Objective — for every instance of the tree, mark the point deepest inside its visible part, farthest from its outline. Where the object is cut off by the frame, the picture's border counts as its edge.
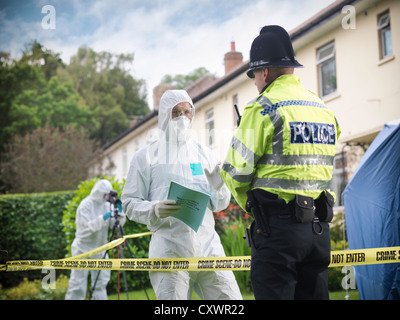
(100, 82)
(56, 105)
(48, 60)
(14, 78)
(108, 89)
(94, 92)
(48, 159)
(181, 81)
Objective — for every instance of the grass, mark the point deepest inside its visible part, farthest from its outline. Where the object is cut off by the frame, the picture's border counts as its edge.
(340, 295)
(141, 295)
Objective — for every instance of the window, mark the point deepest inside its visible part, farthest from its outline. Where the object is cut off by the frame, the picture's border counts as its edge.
(110, 167)
(210, 127)
(235, 115)
(326, 63)
(124, 161)
(385, 35)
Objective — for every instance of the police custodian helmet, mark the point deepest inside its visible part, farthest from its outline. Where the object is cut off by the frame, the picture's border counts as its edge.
(272, 48)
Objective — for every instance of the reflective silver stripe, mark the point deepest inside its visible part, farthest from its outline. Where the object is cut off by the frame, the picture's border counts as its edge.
(287, 184)
(246, 174)
(277, 139)
(277, 122)
(264, 101)
(237, 176)
(248, 155)
(296, 160)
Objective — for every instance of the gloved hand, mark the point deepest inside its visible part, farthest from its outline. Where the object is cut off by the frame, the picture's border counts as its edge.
(107, 215)
(166, 208)
(214, 177)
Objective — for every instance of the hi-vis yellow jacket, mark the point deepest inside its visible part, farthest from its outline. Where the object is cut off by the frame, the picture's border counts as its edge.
(285, 144)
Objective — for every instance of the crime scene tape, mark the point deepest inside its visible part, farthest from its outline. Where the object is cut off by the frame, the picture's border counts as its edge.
(338, 258)
(107, 246)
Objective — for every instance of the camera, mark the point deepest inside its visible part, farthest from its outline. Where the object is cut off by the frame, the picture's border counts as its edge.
(112, 197)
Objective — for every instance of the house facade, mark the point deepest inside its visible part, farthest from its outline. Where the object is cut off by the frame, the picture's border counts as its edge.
(349, 55)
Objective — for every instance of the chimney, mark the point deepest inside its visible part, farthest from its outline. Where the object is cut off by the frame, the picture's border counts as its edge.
(232, 58)
(158, 91)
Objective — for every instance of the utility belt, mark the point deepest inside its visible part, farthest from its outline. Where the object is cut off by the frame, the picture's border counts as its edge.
(301, 209)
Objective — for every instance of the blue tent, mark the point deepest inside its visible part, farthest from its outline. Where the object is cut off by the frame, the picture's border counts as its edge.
(372, 211)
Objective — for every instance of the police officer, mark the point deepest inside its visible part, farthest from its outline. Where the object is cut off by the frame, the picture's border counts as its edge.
(278, 168)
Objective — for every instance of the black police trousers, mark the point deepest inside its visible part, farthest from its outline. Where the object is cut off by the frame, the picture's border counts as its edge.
(291, 262)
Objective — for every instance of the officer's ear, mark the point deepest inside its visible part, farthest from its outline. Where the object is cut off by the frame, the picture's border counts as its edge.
(265, 74)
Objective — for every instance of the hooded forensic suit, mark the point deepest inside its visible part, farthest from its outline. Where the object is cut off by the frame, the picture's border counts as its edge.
(92, 222)
(176, 157)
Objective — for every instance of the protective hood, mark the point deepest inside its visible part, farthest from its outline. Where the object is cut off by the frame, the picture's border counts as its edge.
(100, 189)
(91, 228)
(169, 100)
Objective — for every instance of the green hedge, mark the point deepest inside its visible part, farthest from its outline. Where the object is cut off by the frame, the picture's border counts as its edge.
(42, 227)
(31, 228)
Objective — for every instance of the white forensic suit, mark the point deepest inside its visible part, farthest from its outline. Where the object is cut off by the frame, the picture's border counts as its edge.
(177, 157)
(93, 218)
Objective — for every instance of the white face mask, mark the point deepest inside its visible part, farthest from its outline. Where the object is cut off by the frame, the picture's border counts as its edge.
(178, 129)
(182, 122)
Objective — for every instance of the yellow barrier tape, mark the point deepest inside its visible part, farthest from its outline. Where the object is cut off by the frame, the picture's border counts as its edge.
(175, 264)
(107, 246)
(365, 256)
(338, 259)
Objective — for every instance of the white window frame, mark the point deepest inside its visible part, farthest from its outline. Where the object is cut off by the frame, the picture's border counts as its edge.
(384, 27)
(330, 57)
(210, 127)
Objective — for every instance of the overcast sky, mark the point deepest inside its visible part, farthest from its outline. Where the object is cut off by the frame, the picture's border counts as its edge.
(166, 37)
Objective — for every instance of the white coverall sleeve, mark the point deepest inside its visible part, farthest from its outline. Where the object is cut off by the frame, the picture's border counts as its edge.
(135, 194)
(219, 199)
(86, 223)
